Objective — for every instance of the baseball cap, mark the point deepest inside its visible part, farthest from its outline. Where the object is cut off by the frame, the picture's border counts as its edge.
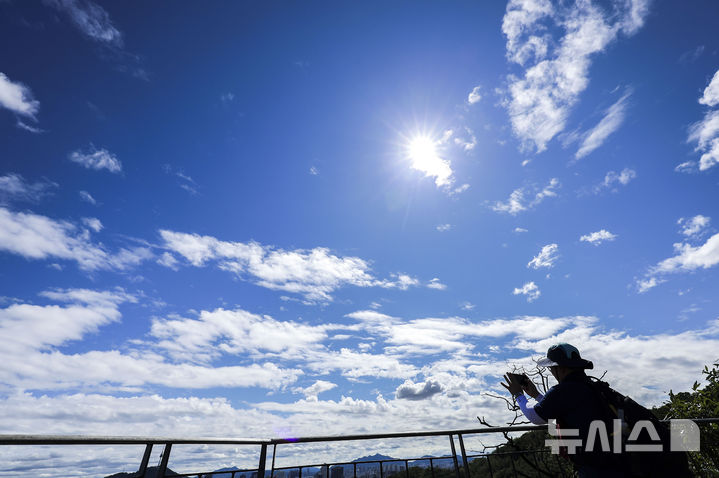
(565, 355)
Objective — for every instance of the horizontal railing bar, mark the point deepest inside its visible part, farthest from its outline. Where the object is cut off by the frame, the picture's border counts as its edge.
(120, 440)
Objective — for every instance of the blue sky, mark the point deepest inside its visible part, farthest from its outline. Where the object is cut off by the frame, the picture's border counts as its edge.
(327, 218)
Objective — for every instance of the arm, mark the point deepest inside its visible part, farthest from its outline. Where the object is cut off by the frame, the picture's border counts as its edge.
(528, 411)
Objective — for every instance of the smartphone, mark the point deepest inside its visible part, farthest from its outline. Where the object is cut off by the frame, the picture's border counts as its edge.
(521, 378)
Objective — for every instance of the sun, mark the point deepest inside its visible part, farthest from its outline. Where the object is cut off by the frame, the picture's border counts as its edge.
(422, 151)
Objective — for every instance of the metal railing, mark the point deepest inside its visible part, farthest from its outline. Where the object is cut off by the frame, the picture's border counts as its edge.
(262, 472)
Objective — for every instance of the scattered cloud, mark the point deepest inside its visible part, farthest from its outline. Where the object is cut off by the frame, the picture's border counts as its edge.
(705, 133)
(546, 257)
(39, 237)
(517, 201)
(13, 187)
(692, 226)
(314, 171)
(644, 285)
(417, 391)
(692, 55)
(17, 98)
(474, 96)
(467, 306)
(91, 19)
(227, 97)
(614, 179)
(315, 389)
(520, 230)
(29, 128)
(168, 260)
(87, 197)
(436, 284)
(94, 22)
(530, 290)
(92, 223)
(444, 227)
(687, 258)
(711, 92)
(598, 237)
(468, 143)
(96, 159)
(314, 273)
(687, 167)
(183, 180)
(611, 122)
(556, 70)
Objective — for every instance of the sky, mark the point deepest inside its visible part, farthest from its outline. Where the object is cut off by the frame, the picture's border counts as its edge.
(278, 219)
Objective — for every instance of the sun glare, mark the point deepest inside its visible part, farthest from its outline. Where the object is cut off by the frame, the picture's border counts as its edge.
(422, 152)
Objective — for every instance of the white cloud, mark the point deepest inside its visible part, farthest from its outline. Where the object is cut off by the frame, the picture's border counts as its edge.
(444, 227)
(315, 389)
(711, 92)
(609, 124)
(17, 98)
(598, 237)
(687, 167)
(520, 230)
(474, 96)
(168, 260)
(235, 332)
(314, 273)
(706, 134)
(468, 306)
(690, 257)
(436, 284)
(687, 258)
(546, 257)
(91, 19)
(32, 338)
(467, 144)
(693, 225)
(29, 128)
(529, 289)
(93, 223)
(96, 159)
(518, 203)
(644, 285)
(612, 179)
(87, 197)
(39, 237)
(314, 171)
(13, 187)
(227, 97)
(540, 101)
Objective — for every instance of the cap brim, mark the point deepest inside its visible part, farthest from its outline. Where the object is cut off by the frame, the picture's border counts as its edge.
(546, 362)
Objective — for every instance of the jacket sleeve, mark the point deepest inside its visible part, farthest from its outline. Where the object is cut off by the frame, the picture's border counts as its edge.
(528, 411)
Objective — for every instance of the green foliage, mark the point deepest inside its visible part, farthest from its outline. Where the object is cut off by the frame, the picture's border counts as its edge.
(700, 403)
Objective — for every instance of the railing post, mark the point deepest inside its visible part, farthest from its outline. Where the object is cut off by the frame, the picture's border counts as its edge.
(406, 468)
(263, 460)
(464, 456)
(454, 455)
(145, 460)
(381, 475)
(431, 466)
(274, 452)
(354, 470)
(165, 459)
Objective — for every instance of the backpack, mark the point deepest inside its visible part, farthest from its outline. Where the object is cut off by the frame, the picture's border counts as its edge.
(663, 463)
